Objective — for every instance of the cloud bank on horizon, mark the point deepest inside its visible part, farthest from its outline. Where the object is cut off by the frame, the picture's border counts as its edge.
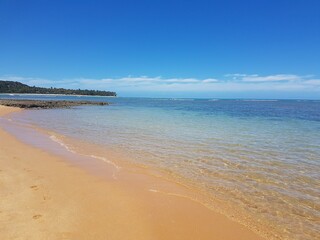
(141, 85)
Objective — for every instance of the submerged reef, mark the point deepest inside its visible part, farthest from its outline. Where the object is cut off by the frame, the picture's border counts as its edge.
(43, 104)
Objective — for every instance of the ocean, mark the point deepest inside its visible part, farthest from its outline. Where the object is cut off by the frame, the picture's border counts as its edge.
(261, 158)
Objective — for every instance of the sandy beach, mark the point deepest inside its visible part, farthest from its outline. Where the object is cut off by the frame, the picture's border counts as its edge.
(43, 196)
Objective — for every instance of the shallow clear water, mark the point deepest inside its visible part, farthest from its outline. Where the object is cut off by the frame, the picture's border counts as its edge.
(261, 156)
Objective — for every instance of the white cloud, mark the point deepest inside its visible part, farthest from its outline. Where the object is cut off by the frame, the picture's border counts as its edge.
(314, 82)
(228, 83)
(210, 80)
(185, 80)
(268, 78)
(271, 78)
(144, 80)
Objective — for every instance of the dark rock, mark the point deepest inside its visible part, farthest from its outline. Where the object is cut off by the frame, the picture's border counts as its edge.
(44, 104)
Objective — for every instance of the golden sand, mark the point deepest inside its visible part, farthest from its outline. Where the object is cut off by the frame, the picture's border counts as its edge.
(45, 197)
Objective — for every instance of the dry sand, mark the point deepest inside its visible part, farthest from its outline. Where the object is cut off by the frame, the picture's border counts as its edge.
(45, 197)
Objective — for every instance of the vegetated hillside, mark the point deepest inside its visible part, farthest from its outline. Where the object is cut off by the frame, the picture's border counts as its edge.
(17, 87)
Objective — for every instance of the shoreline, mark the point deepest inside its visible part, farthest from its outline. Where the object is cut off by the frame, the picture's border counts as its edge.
(46, 197)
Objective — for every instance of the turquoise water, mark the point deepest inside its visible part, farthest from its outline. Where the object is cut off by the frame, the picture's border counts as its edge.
(262, 156)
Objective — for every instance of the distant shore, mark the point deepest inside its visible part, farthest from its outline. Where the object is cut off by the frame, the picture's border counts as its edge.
(18, 87)
(52, 94)
(46, 197)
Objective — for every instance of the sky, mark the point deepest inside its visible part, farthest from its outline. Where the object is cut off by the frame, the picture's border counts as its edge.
(162, 48)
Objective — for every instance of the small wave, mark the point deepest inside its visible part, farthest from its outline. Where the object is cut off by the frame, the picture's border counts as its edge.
(182, 99)
(60, 142)
(153, 190)
(6, 119)
(106, 160)
(55, 139)
(260, 100)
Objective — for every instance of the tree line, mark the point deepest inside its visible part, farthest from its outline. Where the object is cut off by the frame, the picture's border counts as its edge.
(17, 87)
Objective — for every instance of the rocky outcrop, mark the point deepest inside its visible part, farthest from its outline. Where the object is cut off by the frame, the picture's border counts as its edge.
(43, 104)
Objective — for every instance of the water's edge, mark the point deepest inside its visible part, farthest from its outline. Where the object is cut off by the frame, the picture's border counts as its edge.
(84, 155)
(256, 161)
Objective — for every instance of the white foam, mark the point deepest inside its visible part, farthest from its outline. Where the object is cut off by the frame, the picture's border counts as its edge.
(153, 190)
(181, 99)
(55, 139)
(116, 167)
(61, 143)
(260, 100)
(106, 160)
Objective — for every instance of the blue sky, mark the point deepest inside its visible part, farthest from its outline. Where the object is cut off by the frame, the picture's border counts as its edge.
(226, 48)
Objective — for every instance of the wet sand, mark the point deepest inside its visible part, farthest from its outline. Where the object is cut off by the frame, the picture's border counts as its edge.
(46, 197)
